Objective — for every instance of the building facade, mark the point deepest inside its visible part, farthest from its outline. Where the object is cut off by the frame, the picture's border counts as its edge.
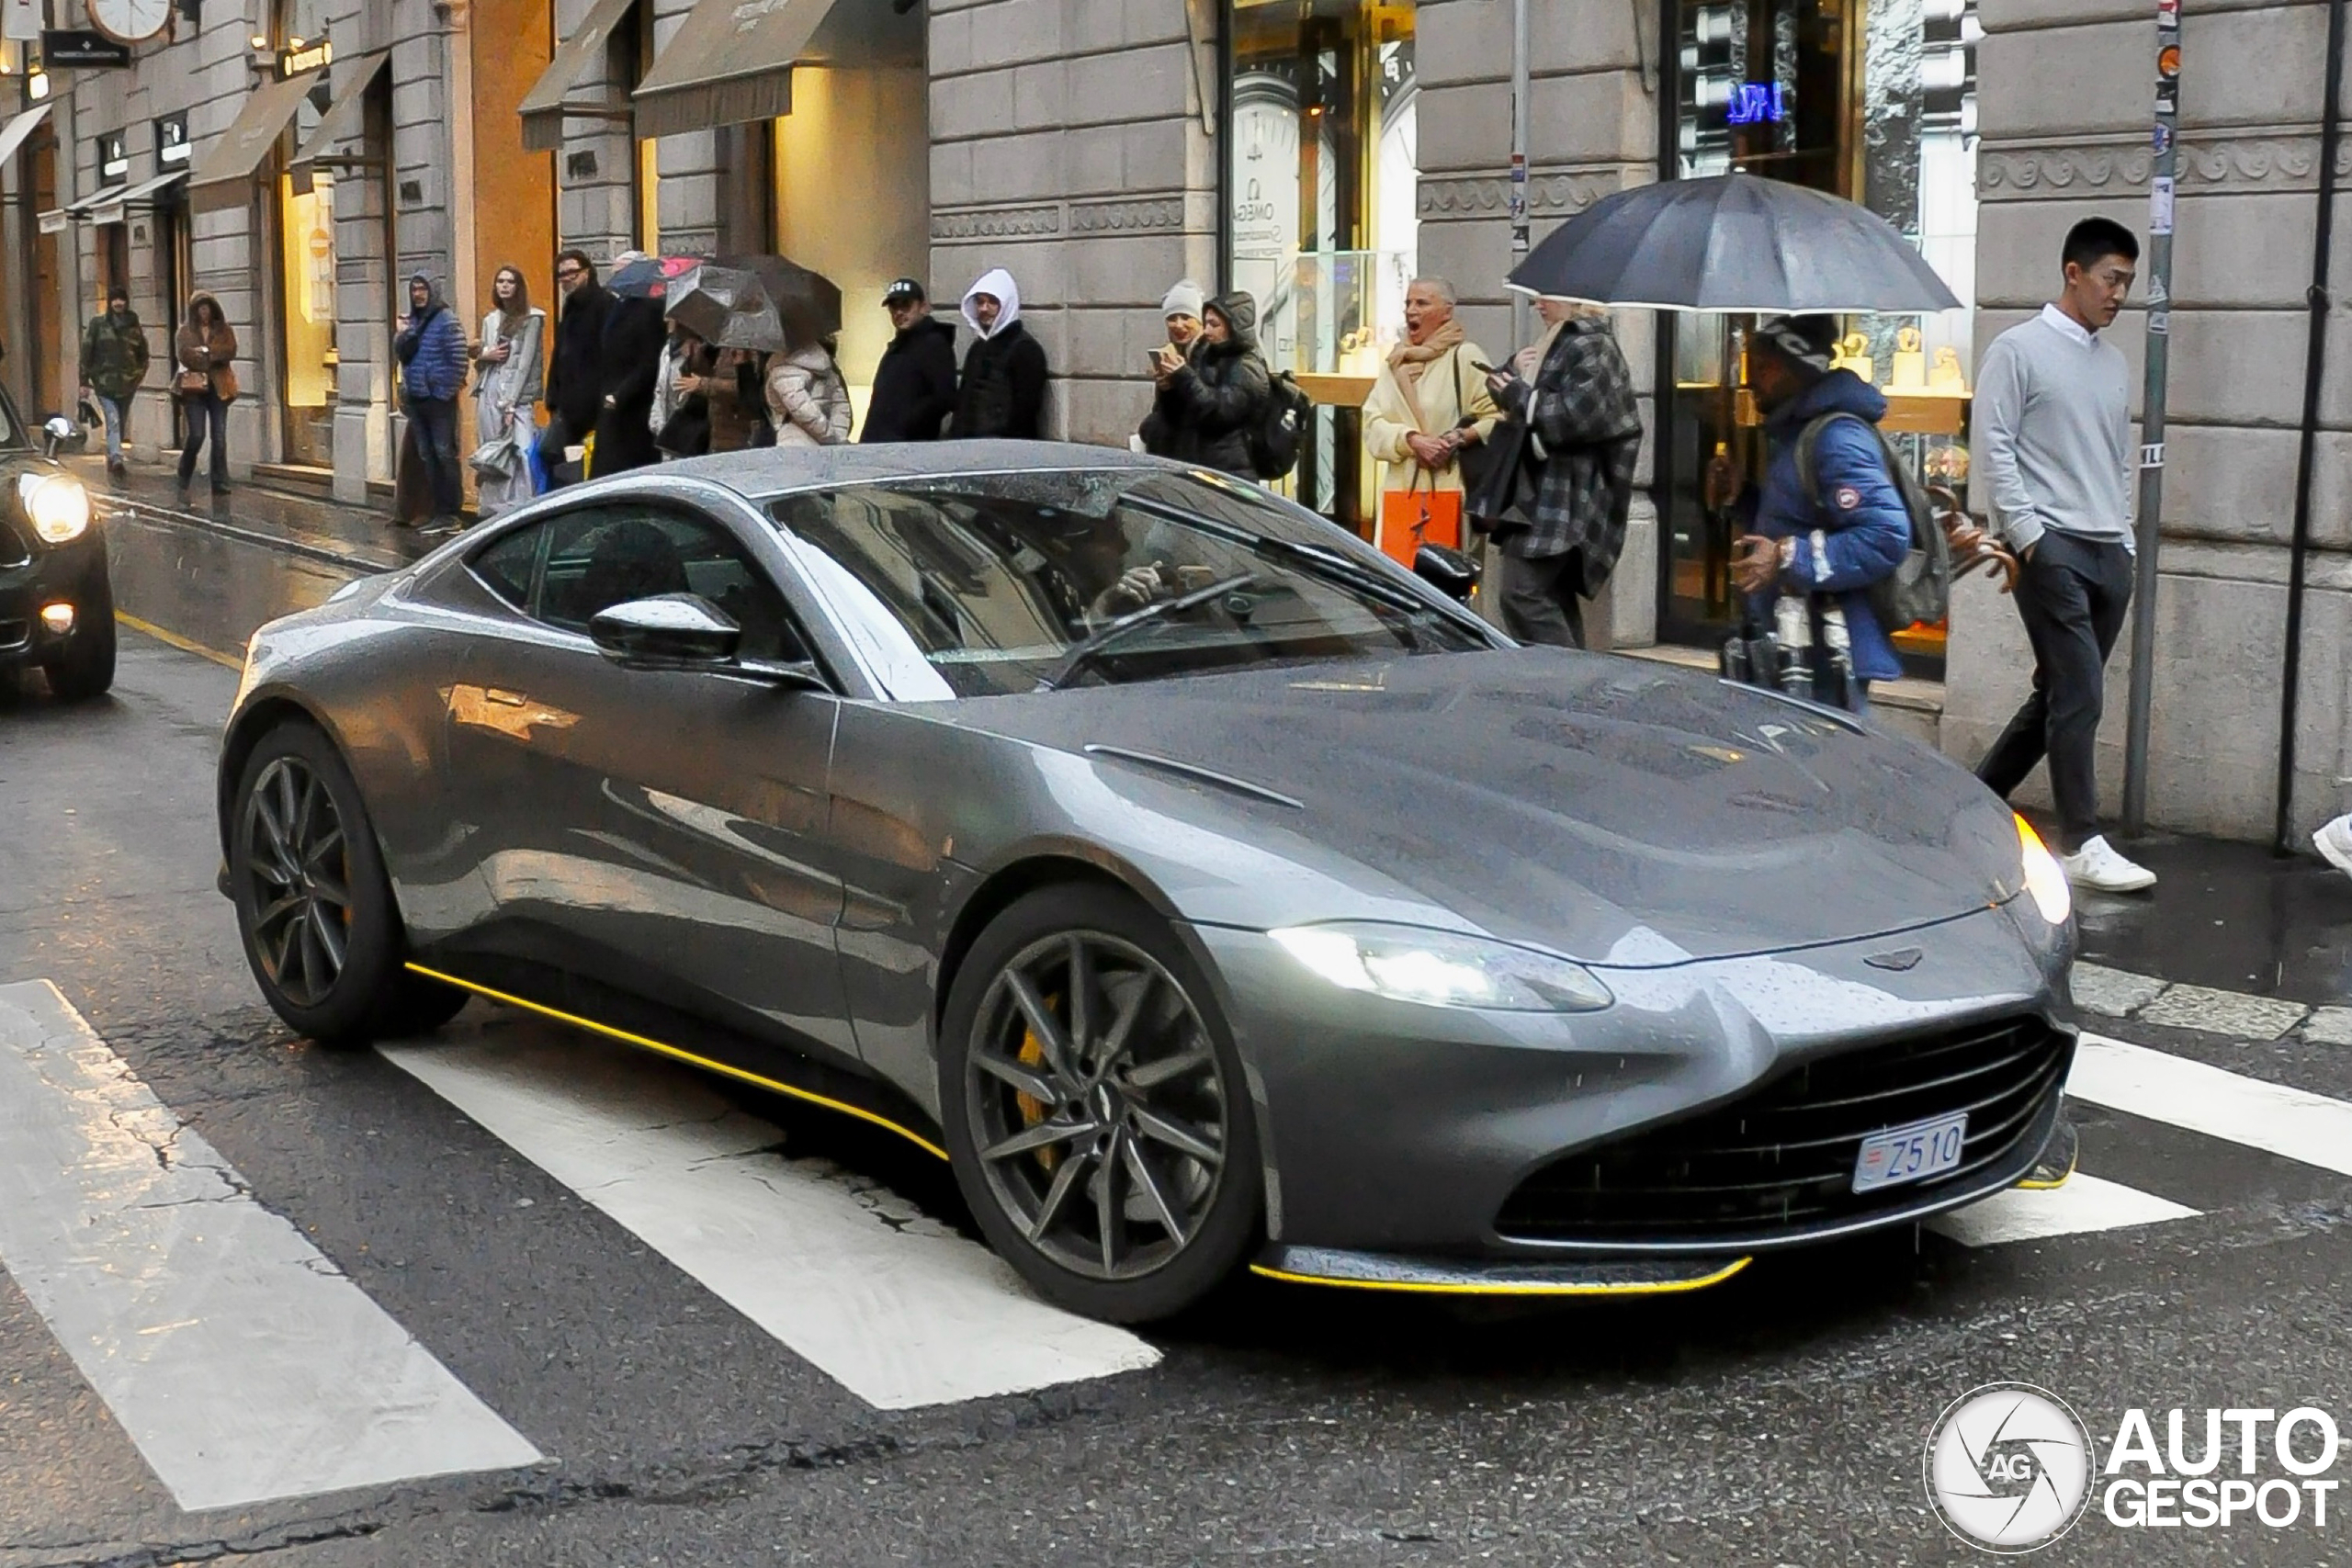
(1319, 154)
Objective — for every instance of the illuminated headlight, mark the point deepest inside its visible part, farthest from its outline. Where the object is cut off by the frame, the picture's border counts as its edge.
(1408, 964)
(56, 505)
(2045, 879)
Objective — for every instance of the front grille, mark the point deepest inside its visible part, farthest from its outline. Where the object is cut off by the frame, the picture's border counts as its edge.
(1782, 1157)
(13, 551)
(15, 634)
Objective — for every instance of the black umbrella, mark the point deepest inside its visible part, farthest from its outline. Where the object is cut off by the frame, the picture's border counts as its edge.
(809, 304)
(727, 308)
(1733, 243)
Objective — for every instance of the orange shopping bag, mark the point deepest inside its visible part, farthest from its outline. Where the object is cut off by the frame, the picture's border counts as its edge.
(1411, 518)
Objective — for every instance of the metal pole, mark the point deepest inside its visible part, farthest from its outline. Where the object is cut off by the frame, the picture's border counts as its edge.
(2306, 456)
(2152, 418)
(1520, 334)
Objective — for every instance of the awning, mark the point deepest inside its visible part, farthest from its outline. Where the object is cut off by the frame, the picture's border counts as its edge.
(111, 207)
(224, 175)
(13, 134)
(730, 61)
(345, 119)
(543, 107)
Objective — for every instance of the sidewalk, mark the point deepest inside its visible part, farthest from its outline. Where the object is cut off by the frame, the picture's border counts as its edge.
(357, 538)
(2231, 917)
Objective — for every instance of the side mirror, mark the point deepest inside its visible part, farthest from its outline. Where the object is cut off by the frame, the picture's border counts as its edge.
(62, 434)
(1447, 570)
(675, 631)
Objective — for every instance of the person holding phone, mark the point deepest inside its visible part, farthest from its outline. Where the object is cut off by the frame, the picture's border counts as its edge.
(1207, 402)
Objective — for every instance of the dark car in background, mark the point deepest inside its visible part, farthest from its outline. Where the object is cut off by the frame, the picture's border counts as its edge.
(1205, 889)
(56, 603)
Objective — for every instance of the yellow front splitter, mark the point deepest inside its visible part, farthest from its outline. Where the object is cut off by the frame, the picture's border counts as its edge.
(1381, 1271)
(2057, 1162)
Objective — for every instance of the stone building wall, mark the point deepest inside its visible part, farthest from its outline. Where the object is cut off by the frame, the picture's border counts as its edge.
(1069, 145)
(2065, 105)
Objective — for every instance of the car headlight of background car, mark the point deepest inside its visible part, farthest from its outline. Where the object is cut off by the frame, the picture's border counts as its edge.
(2045, 879)
(56, 505)
(1408, 963)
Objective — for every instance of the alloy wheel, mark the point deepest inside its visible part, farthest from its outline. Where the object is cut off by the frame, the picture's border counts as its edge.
(298, 867)
(1097, 1105)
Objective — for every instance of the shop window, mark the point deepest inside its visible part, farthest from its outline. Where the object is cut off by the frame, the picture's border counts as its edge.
(1874, 101)
(114, 159)
(857, 143)
(1321, 191)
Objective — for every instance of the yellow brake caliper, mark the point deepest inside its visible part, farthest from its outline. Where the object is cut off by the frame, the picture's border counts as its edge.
(1032, 1109)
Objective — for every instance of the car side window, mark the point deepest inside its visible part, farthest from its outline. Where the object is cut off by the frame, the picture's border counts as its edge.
(606, 556)
(506, 567)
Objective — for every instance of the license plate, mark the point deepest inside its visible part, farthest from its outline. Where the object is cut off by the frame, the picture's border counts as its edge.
(1910, 1153)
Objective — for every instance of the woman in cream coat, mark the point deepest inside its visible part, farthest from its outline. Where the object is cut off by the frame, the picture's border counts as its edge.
(1431, 382)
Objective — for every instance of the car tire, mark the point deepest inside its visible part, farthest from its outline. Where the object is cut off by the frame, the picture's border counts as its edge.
(314, 906)
(82, 669)
(1154, 1092)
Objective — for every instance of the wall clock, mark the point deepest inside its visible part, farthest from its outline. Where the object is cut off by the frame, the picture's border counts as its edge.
(130, 21)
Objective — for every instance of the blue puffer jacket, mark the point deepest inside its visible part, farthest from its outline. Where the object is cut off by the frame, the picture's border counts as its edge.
(1857, 511)
(432, 349)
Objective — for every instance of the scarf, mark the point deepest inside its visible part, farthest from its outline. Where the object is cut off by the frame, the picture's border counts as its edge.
(1408, 359)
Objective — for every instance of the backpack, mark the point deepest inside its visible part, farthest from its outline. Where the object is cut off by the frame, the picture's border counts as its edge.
(1918, 591)
(1281, 429)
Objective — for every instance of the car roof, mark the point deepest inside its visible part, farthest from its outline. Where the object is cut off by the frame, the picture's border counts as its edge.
(765, 473)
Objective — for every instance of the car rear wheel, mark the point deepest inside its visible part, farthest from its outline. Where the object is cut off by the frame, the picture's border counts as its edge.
(1094, 1107)
(83, 667)
(314, 906)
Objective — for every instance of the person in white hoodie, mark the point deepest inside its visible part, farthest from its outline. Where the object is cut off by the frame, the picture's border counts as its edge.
(1002, 395)
(2333, 841)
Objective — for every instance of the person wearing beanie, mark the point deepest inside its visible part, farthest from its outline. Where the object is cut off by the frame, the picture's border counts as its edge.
(1181, 309)
(914, 386)
(1854, 529)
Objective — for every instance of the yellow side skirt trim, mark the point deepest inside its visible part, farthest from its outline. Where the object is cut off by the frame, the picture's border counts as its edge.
(1406, 1287)
(705, 1063)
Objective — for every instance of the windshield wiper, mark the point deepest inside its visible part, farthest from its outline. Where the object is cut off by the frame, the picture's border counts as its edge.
(1078, 657)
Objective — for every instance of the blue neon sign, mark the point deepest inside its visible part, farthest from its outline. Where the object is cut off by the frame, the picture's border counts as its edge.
(1756, 103)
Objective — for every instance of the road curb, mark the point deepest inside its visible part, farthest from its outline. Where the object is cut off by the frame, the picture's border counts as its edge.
(148, 512)
(2119, 993)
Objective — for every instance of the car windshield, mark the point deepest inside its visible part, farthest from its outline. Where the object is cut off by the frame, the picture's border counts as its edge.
(1006, 583)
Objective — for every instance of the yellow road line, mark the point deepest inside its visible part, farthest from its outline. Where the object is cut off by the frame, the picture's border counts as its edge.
(174, 640)
(644, 1043)
(1674, 1287)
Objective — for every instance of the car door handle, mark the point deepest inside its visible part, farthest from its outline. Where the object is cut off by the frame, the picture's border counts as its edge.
(504, 698)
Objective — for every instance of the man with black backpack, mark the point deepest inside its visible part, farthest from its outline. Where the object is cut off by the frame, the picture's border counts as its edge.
(1835, 523)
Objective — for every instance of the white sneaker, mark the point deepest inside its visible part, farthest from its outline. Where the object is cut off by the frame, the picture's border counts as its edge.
(2096, 865)
(2333, 841)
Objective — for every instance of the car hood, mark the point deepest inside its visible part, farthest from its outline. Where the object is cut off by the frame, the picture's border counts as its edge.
(1622, 812)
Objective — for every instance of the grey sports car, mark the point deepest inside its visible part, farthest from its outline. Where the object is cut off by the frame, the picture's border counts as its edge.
(1206, 889)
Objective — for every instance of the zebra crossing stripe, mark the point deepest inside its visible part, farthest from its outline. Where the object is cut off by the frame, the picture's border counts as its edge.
(242, 1364)
(2292, 1123)
(2085, 1203)
(897, 1308)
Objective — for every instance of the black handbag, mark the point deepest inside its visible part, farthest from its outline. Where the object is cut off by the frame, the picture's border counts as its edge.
(1475, 459)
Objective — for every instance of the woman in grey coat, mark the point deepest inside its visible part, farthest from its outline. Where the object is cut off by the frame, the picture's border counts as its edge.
(512, 362)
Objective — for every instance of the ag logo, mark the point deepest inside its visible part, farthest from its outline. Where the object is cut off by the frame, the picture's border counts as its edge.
(2009, 1468)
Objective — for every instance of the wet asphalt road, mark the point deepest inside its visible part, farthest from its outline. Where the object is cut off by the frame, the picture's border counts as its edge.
(1776, 1419)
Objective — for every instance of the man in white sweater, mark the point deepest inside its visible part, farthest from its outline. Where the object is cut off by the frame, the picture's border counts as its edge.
(2053, 445)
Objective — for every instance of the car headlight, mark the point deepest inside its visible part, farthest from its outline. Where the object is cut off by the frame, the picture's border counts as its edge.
(1408, 963)
(56, 505)
(2045, 879)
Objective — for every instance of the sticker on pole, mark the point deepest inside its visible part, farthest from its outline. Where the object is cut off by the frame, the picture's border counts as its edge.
(2162, 139)
(2160, 322)
(2168, 10)
(2152, 456)
(2169, 60)
(2160, 204)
